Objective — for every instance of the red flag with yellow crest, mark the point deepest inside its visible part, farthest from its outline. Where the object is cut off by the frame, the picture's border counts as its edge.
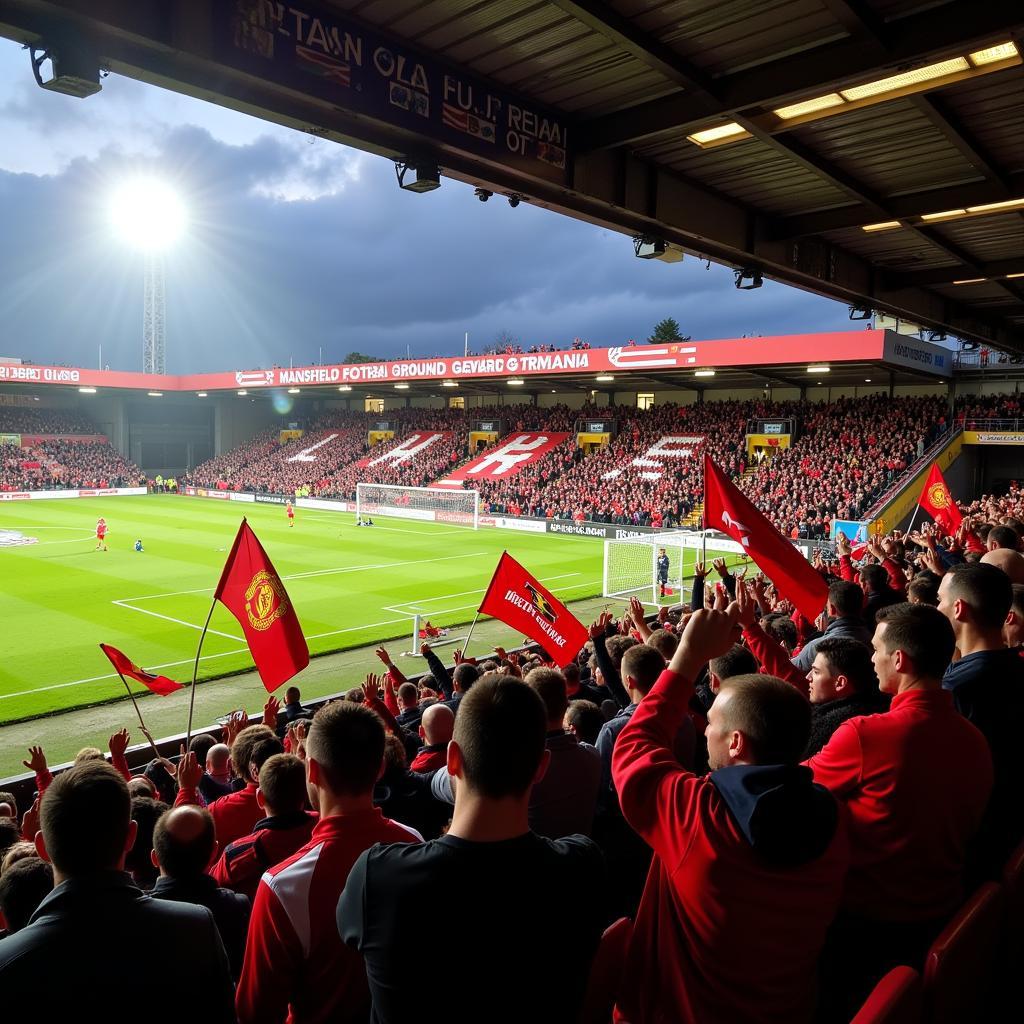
(252, 591)
(938, 502)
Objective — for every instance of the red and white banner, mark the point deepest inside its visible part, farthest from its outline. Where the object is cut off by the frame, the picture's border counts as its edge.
(518, 599)
(30, 440)
(505, 459)
(837, 347)
(667, 452)
(408, 449)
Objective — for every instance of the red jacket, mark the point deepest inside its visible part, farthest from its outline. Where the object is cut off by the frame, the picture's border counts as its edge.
(429, 759)
(271, 841)
(916, 780)
(724, 931)
(296, 966)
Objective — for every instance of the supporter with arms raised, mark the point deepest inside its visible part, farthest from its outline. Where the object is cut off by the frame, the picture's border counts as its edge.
(59, 968)
(295, 964)
(490, 878)
(749, 860)
(915, 781)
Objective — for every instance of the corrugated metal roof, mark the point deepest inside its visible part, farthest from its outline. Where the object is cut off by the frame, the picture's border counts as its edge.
(989, 238)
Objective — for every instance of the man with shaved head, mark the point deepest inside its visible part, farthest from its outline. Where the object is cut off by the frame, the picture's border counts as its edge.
(1010, 561)
(436, 728)
(183, 847)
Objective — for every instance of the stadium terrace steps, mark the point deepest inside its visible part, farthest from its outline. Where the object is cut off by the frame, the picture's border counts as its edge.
(513, 453)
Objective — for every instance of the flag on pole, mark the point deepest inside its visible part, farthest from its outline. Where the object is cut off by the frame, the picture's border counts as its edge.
(518, 599)
(938, 502)
(727, 509)
(160, 685)
(252, 591)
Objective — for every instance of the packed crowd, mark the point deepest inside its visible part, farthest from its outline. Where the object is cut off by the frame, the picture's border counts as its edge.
(846, 454)
(21, 419)
(782, 809)
(1005, 408)
(57, 465)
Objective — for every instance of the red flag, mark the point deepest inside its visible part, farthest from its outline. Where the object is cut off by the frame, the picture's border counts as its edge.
(160, 685)
(938, 502)
(732, 512)
(253, 592)
(518, 600)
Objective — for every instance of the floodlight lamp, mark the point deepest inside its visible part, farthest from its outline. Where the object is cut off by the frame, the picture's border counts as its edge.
(427, 176)
(748, 278)
(646, 247)
(482, 194)
(861, 313)
(937, 335)
(147, 214)
(73, 70)
(514, 200)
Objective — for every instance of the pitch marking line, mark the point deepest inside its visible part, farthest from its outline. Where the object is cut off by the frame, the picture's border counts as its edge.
(420, 608)
(310, 573)
(242, 650)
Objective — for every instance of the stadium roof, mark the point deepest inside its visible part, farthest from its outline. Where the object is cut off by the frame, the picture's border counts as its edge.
(868, 150)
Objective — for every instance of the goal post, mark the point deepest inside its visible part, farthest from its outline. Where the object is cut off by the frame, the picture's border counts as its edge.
(427, 504)
(631, 563)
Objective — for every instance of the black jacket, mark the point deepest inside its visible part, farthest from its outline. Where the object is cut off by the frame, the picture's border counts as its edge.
(230, 910)
(69, 963)
(827, 717)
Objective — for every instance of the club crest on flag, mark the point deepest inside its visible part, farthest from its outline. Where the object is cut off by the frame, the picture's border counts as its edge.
(939, 496)
(265, 600)
(736, 528)
(541, 603)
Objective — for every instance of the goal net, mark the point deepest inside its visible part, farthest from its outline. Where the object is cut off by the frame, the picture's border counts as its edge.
(428, 504)
(631, 564)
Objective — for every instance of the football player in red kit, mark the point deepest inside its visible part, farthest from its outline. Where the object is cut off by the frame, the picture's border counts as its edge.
(101, 534)
(290, 512)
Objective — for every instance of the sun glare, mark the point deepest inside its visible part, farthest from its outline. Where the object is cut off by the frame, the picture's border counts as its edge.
(147, 214)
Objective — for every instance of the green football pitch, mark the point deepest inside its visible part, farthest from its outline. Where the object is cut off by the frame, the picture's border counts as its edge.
(351, 587)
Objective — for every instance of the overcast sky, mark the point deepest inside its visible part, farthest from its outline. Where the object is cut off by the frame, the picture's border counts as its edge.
(297, 244)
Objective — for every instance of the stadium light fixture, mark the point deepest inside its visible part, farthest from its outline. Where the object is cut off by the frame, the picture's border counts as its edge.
(147, 214)
(819, 369)
(345, 387)
(87, 391)
(1013, 277)
(604, 378)
(748, 278)
(867, 380)
(929, 218)
(704, 373)
(427, 176)
(514, 382)
(401, 387)
(905, 82)
(73, 70)
(243, 392)
(449, 384)
(483, 194)
(200, 394)
(971, 280)
(861, 313)
(155, 394)
(882, 225)
(294, 391)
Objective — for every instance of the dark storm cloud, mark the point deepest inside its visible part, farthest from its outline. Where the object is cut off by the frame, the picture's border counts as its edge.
(359, 265)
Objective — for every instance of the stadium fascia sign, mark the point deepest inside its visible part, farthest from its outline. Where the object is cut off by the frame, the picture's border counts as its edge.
(98, 492)
(605, 531)
(794, 349)
(322, 53)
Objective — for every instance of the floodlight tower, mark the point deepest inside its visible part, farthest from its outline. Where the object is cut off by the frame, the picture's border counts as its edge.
(150, 217)
(153, 309)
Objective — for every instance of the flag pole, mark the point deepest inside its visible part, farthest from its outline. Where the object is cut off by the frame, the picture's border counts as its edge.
(135, 704)
(195, 672)
(469, 635)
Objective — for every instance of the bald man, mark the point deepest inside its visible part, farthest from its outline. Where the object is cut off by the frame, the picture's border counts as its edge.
(436, 729)
(183, 846)
(1011, 562)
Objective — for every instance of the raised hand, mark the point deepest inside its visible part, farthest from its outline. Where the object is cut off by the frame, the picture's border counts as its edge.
(382, 653)
(600, 627)
(843, 546)
(708, 633)
(424, 649)
(663, 615)
(371, 687)
(270, 710)
(457, 657)
(720, 567)
(30, 821)
(931, 561)
(700, 570)
(190, 771)
(118, 743)
(501, 653)
(745, 606)
(36, 760)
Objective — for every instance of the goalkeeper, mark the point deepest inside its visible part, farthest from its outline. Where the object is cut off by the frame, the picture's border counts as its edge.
(662, 571)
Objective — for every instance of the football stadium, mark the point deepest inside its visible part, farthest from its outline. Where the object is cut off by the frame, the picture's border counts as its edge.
(320, 617)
